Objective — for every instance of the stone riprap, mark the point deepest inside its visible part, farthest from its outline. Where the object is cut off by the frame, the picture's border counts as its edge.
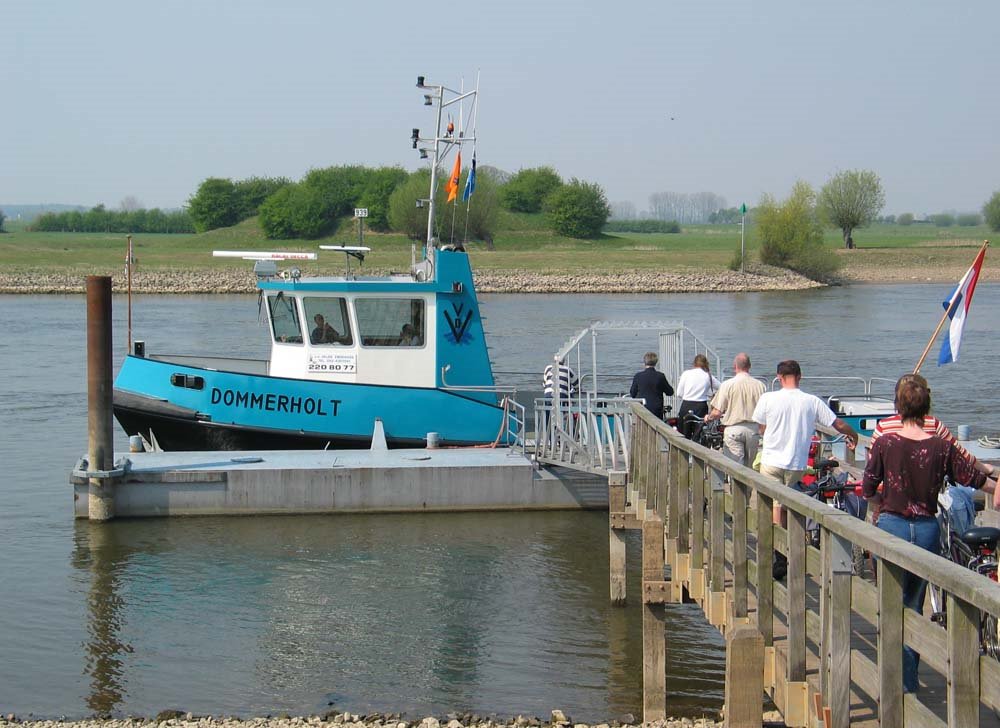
(759, 278)
(175, 719)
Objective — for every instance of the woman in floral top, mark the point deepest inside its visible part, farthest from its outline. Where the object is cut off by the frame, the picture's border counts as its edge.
(911, 466)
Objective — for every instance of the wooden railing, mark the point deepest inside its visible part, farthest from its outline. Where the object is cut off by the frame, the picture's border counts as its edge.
(831, 638)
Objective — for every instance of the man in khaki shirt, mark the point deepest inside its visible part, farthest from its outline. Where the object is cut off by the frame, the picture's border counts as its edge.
(734, 403)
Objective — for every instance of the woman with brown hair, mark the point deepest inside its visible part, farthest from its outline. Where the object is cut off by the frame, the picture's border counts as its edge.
(911, 466)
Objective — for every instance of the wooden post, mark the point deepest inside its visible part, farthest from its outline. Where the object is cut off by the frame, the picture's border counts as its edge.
(890, 644)
(616, 537)
(739, 549)
(717, 551)
(744, 677)
(765, 576)
(963, 663)
(795, 689)
(839, 564)
(100, 389)
(654, 637)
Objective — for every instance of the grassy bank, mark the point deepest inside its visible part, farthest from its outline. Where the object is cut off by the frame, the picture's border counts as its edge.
(886, 252)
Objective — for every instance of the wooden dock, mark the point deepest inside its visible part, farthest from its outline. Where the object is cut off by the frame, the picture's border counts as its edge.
(825, 645)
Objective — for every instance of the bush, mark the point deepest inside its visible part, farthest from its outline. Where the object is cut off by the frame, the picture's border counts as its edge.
(905, 219)
(943, 220)
(642, 226)
(991, 212)
(791, 235)
(578, 209)
(969, 219)
(214, 205)
(736, 262)
(251, 193)
(526, 191)
(456, 222)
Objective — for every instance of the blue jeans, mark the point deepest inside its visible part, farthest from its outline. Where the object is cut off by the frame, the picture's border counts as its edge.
(922, 531)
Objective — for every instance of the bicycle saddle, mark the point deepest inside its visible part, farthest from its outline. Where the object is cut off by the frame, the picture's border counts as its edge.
(981, 536)
(826, 464)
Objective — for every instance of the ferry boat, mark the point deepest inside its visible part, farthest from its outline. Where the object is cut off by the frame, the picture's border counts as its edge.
(352, 358)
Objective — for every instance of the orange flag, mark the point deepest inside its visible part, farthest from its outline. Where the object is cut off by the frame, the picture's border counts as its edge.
(452, 187)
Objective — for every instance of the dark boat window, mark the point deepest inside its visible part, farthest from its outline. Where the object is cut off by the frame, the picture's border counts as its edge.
(390, 321)
(284, 319)
(328, 321)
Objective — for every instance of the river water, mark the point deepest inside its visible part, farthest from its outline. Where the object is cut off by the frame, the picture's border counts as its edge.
(423, 614)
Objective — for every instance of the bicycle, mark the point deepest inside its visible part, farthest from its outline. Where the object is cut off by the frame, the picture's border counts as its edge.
(837, 491)
(706, 433)
(974, 548)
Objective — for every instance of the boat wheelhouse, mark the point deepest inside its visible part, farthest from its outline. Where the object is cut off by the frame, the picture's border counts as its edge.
(352, 358)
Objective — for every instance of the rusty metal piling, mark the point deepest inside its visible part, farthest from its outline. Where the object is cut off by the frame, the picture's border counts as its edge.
(100, 442)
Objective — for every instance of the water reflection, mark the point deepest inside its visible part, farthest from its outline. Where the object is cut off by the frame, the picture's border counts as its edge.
(421, 614)
(98, 551)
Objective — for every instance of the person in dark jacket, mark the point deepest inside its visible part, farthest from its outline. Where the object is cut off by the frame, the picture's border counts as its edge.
(651, 385)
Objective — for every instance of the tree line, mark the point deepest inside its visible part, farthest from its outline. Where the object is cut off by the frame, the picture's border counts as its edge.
(101, 220)
(315, 206)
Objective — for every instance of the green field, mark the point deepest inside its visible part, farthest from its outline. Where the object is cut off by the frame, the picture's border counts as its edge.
(523, 243)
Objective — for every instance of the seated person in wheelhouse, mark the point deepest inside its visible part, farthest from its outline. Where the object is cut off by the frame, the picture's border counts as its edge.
(324, 333)
(408, 336)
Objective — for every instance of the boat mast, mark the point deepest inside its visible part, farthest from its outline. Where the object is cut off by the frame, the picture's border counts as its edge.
(456, 138)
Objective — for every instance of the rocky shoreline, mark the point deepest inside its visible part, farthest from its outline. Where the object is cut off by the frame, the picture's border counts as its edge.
(176, 719)
(757, 278)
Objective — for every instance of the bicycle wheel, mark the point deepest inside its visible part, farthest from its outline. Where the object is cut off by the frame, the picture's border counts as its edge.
(859, 560)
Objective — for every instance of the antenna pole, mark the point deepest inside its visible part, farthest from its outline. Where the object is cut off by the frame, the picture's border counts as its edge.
(128, 275)
(434, 166)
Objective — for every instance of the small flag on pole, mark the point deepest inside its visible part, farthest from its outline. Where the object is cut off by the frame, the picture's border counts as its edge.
(452, 187)
(470, 183)
(957, 307)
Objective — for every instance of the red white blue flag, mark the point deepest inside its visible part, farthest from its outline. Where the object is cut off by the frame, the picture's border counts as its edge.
(957, 307)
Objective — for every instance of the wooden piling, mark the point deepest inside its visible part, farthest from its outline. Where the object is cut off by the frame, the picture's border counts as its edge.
(654, 636)
(100, 390)
(617, 553)
(744, 677)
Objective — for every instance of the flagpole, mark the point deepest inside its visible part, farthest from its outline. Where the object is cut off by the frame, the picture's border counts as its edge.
(947, 315)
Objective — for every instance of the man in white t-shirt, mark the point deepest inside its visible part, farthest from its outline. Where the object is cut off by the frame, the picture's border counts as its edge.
(788, 419)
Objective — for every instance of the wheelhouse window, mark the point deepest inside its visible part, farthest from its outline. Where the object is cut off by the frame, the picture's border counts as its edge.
(284, 319)
(390, 321)
(328, 321)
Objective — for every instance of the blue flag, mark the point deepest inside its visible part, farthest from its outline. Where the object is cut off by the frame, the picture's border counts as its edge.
(470, 183)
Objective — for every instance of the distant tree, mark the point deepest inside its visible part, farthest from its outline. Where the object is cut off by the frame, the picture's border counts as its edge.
(578, 209)
(214, 205)
(991, 212)
(725, 216)
(526, 191)
(969, 219)
(457, 222)
(624, 210)
(943, 219)
(378, 188)
(791, 235)
(404, 215)
(851, 200)
(685, 207)
(905, 218)
(2, 218)
(130, 203)
(250, 193)
(887, 219)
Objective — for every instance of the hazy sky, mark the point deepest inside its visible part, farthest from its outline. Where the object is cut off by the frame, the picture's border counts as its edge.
(105, 98)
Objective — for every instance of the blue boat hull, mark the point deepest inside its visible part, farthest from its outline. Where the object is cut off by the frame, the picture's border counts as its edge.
(190, 408)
